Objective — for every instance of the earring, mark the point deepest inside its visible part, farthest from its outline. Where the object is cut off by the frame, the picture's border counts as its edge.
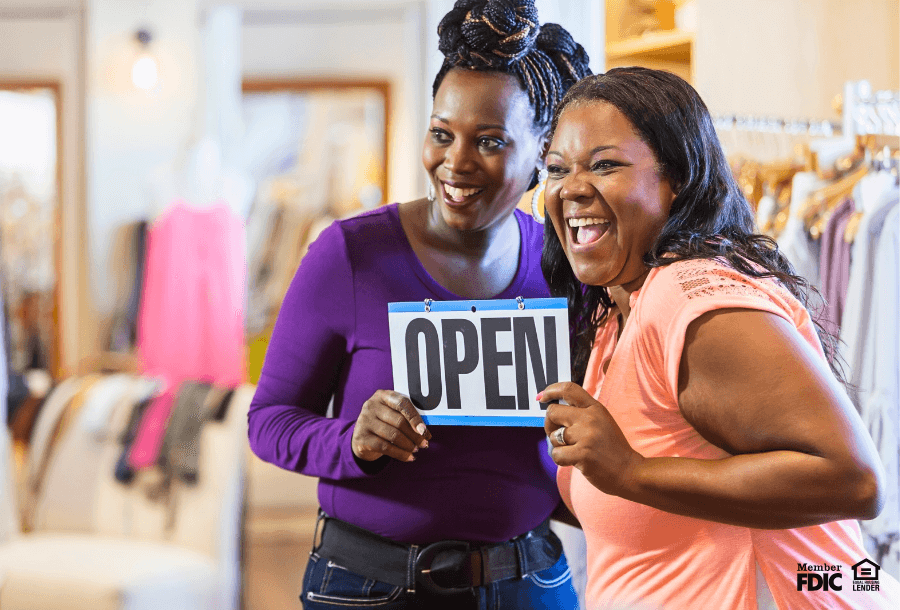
(430, 191)
(542, 184)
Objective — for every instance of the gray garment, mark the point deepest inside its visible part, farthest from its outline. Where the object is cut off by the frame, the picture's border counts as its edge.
(180, 451)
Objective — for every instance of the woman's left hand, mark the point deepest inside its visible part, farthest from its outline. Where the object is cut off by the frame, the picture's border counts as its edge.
(593, 442)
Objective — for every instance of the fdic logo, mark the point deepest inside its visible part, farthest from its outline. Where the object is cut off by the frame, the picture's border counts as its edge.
(822, 577)
(826, 577)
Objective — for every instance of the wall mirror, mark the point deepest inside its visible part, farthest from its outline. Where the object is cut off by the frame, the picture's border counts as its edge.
(30, 181)
(317, 150)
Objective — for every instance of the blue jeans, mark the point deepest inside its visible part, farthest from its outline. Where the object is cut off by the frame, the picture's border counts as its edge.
(327, 585)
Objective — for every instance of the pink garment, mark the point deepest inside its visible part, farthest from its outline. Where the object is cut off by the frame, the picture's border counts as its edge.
(641, 557)
(834, 266)
(191, 323)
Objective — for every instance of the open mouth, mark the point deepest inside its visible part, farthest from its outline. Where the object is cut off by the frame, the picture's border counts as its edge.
(456, 195)
(584, 231)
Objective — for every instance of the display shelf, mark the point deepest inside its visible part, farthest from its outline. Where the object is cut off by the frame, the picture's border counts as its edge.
(111, 362)
(670, 44)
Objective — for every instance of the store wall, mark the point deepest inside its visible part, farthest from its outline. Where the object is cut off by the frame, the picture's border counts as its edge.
(130, 131)
(395, 41)
(343, 42)
(790, 58)
(584, 19)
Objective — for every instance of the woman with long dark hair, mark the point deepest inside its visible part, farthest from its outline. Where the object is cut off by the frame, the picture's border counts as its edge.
(712, 454)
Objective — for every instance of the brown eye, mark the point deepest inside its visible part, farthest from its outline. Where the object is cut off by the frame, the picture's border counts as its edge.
(491, 143)
(604, 166)
(555, 172)
(439, 135)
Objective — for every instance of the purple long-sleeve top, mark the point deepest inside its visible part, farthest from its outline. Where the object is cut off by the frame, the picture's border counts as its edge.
(331, 341)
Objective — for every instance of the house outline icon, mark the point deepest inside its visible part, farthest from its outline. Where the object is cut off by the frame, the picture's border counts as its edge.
(857, 568)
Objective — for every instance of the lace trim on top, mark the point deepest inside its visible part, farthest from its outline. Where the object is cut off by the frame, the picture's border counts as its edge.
(704, 278)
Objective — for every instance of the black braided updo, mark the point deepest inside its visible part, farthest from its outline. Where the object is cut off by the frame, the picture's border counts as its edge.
(505, 36)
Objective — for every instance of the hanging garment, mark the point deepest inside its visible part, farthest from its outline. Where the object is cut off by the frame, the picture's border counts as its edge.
(765, 214)
(180, 452)
(795, 243)
(218, 411)
(288, 238)
(8, 508)
(834, 265)
(103, 399)
(874, 196)
(123, 472)
(880, 386)
(124, 330)
(191, 323)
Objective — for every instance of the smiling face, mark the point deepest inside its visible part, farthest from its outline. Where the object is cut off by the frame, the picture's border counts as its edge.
(605, 195)
(481, 149)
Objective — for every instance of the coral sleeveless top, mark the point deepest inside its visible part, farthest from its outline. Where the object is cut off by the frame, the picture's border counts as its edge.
(641, 557)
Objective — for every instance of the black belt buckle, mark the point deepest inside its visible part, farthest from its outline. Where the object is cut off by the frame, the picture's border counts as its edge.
(430, 566)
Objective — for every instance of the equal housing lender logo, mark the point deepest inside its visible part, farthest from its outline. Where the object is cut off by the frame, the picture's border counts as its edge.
(826, 577)
(865, 575)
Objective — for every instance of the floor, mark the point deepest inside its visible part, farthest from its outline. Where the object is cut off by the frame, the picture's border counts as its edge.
(278, 534)
(276, 548)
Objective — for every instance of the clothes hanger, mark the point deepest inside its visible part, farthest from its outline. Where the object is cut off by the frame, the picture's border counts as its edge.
(884, 164)
(822, 203)
(852, 168)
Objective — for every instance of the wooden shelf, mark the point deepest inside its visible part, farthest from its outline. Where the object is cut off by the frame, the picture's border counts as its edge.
(110, 362)
(670, 44)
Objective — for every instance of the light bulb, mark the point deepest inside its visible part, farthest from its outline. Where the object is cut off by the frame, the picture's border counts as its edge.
(144, 73)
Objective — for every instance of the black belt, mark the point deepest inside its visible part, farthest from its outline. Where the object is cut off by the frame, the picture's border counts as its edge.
(445, 567)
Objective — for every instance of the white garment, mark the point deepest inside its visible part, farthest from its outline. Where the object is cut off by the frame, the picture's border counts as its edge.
(100, 401)
(880, 382)
(794, 242)
(765, 210)
(890, 562)
(874, 196)
(575, 549)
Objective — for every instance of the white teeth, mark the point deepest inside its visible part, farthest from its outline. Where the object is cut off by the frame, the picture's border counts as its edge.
(458, 194)
(586, 222)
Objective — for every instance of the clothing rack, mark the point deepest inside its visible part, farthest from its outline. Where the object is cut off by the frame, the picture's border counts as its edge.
(867, 112)
(761, 124)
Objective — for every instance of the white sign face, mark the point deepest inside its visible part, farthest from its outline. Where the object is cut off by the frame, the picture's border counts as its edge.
(479, 363)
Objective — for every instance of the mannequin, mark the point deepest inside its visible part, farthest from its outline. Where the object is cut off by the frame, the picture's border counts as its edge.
(200, 179)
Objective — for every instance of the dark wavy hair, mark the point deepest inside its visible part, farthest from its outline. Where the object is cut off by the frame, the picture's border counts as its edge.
(709, 218)
(505, 36)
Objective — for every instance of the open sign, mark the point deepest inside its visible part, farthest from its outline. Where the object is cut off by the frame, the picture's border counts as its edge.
(479, 363)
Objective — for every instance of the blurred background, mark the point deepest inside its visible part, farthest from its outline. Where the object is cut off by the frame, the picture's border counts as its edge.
(232, 133)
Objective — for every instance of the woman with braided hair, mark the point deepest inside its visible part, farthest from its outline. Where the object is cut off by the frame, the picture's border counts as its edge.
(413, 517)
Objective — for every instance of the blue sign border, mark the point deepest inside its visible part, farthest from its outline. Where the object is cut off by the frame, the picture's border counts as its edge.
(483, 420)
(486, 305)
(480, 305)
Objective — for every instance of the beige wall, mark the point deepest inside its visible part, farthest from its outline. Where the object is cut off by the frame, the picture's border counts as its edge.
(789, 58)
